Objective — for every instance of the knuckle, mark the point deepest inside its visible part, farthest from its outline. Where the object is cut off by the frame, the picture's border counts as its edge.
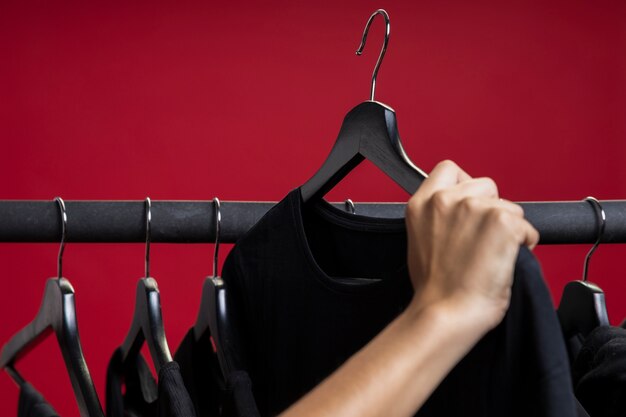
(470, 203)
(499, 217)
(490, 184)
(413, 206)
(515, 208)
(439, 201)
(447, 163)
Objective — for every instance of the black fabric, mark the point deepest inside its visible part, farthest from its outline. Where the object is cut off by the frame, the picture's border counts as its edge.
(599, 372)
(574, 344)
(33, 404)
(581, 410)
(201, 373)
(313, 284)
(132, 391)
(211, 395)
(238, 398)
(173, 398)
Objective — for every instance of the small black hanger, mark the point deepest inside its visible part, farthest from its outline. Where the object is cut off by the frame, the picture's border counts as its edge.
(57, 314)
(369, 131)
(147, 324)
(213, 316)
(583, 307)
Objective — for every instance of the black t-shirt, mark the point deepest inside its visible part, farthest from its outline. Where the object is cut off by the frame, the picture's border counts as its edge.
(213, 396)
(313, 284)
(133, 392)
(33, 404)
(599, 372)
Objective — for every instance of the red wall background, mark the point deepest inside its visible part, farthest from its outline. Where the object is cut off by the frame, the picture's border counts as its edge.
(243, 100)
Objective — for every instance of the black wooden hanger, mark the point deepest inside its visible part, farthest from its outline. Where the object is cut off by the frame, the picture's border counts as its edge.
(214, 316)
(147, 324)
(57, 314)
(582, 307)
(369, 131)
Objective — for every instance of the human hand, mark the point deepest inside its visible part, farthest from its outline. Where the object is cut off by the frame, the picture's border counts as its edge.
(462, 245)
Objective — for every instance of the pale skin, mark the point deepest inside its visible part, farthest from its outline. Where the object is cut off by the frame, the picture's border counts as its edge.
(461, 271)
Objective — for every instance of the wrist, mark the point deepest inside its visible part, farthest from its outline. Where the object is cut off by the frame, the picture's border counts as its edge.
(463, 319)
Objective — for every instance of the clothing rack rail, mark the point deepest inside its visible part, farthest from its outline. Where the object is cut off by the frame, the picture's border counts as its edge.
(565, 222)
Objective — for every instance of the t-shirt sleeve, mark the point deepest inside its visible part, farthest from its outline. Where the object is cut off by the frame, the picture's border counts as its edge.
(174, 400)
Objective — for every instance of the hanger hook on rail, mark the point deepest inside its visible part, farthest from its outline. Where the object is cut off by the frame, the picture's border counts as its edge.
(61, 204)
(601, 217)
(218, 224)
(350, 206)
(359, 51)
(148, 231)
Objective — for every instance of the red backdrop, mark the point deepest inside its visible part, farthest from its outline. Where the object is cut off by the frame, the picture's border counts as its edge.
(244, 100)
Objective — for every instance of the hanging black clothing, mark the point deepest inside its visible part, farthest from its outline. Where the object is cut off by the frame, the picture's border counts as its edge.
(200, 370)
(313, 284)
(133, 392)
(599, 372)
(580, 410)
(238, 398)
(211, 395)
(33, 404)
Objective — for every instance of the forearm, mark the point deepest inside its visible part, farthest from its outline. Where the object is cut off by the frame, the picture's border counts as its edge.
(396, 372)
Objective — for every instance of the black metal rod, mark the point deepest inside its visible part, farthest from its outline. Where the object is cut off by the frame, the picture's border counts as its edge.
(193, 222)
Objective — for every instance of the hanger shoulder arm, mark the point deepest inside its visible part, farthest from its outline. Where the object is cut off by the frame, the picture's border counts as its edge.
(154, 328)
(58, 313)
(48, 318)
(135, 337)
(147, 325)
(343, 157)
(582, 308)
(388, 154)
(69, 342)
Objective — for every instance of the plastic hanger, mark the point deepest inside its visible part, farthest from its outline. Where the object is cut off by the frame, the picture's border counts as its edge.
(214, 316)
(583, 307)
(147, 324)
(57, 314)
(369, 131)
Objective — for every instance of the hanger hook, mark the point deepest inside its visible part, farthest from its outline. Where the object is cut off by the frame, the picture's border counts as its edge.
(359, 51)
(61, 204)
(148, 231)
(350, 206)
(218, 224)
(601, 217)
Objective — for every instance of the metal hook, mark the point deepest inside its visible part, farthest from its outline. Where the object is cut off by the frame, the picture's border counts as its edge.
(61, 204)
(350, 206)
(218, 223)
(148, 227)
(359, 51)
(601, 216)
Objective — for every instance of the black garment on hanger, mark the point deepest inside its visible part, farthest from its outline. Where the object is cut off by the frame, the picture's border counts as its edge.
(33, 404)
(313, 284)
(599, 372)
(238, 398)
(141, 397)
(57, 315)
(580, 410)
(212, 396)
(201, 374)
